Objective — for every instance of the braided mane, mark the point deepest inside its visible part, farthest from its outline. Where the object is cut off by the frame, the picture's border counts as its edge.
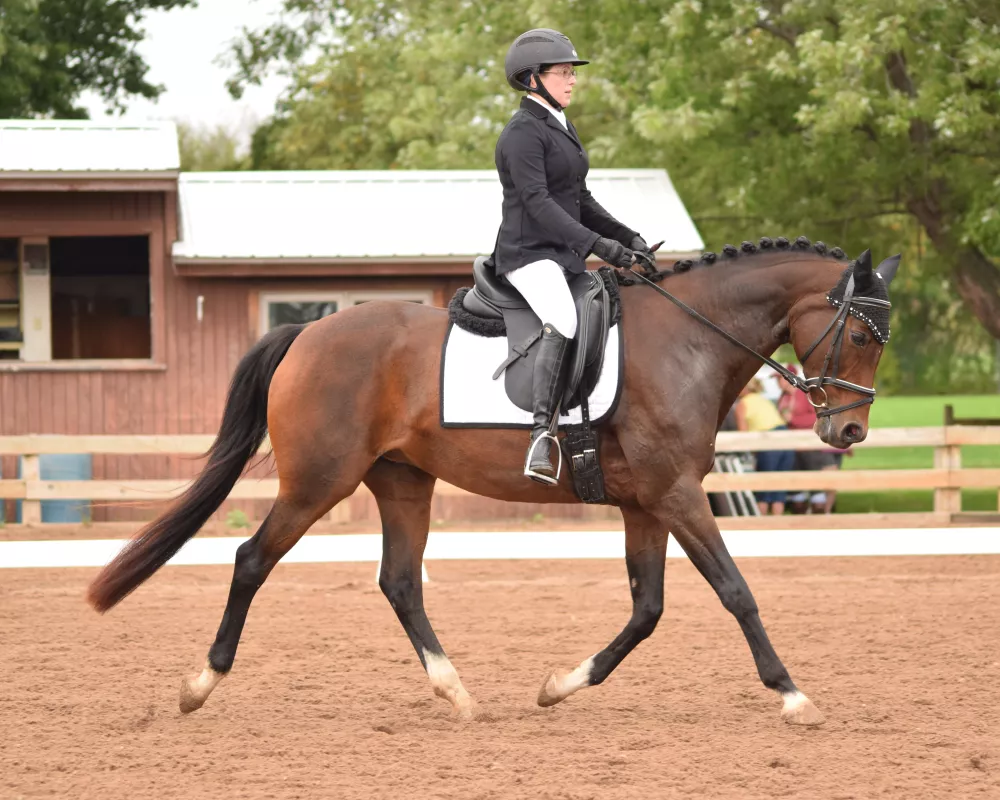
(730, 252)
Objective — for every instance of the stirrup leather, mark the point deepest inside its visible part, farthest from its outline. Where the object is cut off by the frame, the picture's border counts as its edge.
(547, 479)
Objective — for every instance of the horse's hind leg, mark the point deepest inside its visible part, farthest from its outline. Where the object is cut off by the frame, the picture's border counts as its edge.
(645, 553)
(403, 494)
(290, 517)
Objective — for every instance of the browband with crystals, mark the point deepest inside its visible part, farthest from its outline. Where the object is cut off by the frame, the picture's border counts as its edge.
(872, 308)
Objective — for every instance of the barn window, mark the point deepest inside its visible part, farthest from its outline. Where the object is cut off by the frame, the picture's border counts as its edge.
(100, 297)
(78, 298)
(281, 308)
(10, 300)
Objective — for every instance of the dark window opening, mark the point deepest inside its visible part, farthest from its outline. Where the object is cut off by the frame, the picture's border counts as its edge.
(10, 300)
(100, 297)
(285, 312)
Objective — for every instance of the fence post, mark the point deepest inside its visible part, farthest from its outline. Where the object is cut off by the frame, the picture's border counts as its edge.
(31, 510)
(948, 500)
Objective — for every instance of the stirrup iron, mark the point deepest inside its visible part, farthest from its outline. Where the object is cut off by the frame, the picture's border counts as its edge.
(537, 476)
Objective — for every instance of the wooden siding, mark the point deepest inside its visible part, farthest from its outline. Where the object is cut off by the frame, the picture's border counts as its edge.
(186, 394)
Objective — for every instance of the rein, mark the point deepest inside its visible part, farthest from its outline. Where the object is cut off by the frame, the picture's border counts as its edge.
(807, 385)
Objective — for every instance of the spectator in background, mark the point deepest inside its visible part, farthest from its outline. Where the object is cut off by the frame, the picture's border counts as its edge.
(800, 414)
(771, 383)
(756, 412)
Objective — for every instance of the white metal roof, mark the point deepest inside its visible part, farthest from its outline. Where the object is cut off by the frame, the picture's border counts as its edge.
(82, 146)
(391, 214)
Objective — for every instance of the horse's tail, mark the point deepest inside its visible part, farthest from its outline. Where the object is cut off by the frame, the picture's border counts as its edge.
(244, 426)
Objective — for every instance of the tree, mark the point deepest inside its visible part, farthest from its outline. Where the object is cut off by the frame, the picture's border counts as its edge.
(52, 50)
(868, 123)
(209, 149)
(400, 84)
(827, 114)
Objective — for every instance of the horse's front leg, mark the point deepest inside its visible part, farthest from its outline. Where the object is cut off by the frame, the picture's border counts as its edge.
(645, 551)
(688, 515)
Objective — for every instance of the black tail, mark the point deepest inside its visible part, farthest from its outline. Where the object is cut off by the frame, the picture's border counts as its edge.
(244, 426)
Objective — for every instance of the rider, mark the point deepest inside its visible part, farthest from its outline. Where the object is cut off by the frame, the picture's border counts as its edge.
(551, 222)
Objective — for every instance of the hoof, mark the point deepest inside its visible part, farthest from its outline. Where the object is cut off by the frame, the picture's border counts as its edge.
(799, 710)
(190, 700)
(195, 691)
(550, 693)
(560, 685)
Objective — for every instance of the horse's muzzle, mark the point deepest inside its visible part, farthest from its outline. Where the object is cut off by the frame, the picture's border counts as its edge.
(843, 435)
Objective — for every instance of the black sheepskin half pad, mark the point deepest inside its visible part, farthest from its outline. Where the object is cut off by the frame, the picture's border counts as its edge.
(495, 327)
(470, 322)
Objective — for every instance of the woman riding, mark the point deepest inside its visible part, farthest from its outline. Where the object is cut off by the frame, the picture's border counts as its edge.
(551, 222)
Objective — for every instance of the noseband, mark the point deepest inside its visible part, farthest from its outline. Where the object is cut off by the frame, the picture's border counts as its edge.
(807, 385)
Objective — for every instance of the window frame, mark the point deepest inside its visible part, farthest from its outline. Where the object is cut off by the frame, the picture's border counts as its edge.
(343, 299)
(34, 229)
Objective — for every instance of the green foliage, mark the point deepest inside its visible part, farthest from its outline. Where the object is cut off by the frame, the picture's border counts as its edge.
(52, 50)
(237, 519)
(864, 123)
(209, 149)
(392, 85)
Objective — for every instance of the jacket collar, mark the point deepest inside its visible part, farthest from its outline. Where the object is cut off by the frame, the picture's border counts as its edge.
(534, 108)
(540, 112)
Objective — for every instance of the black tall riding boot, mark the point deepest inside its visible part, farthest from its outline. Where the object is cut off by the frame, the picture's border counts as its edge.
(547, 390)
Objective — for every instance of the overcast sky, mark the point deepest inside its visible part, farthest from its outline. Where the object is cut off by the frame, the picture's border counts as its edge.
(180, 47)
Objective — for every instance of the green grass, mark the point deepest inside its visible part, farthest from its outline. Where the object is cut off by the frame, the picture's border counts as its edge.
(911, 412)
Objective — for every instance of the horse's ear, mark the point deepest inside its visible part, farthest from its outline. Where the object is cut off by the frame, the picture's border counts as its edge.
(887, 269)
(863, 271)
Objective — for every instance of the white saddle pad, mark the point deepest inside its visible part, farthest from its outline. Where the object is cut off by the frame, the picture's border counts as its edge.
(471, 398)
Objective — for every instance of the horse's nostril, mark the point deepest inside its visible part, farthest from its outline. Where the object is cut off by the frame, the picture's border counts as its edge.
(852, 432)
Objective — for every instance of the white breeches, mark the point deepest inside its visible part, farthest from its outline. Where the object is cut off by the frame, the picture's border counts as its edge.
(544, 286)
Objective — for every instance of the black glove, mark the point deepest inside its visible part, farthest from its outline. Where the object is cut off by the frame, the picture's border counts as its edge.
(643, 255)
(638, 243)
(615, 253)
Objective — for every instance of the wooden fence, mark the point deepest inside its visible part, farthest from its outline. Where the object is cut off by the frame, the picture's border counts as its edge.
(946, 478)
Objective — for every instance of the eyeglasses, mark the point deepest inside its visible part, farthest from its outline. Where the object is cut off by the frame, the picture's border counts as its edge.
(565, 74)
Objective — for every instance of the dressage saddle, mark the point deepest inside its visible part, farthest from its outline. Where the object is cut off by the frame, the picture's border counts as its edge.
(494, 299)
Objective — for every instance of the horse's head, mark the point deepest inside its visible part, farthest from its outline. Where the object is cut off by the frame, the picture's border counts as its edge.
(840, 349)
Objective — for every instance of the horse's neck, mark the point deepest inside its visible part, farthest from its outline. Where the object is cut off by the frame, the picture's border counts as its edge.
(751, 302)
(756, 302)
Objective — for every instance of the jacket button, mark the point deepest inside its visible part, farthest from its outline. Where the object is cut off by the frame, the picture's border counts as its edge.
(578, 202)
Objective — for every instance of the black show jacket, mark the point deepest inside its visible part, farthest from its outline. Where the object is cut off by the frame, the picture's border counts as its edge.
(548, 212)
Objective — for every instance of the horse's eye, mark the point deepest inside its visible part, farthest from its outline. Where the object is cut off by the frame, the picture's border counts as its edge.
(858, 338)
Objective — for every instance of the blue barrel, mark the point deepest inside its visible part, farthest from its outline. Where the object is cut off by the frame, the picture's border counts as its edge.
(62, 467)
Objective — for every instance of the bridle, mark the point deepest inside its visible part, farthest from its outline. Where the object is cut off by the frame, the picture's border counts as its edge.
(807, 385)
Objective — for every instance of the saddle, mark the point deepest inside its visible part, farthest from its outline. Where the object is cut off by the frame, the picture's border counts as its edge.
(492, 299)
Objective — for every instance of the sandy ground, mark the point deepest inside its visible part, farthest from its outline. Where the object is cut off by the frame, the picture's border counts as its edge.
(327, 698)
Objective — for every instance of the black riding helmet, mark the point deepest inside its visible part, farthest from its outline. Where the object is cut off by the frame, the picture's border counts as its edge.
(534, 49)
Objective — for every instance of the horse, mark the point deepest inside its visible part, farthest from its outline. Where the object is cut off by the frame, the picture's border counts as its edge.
(354, 398)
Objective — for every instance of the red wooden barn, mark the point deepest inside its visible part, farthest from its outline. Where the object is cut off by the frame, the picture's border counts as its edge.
(129, 290)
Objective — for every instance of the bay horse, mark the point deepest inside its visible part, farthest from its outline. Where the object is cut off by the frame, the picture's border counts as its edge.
(354, 397)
